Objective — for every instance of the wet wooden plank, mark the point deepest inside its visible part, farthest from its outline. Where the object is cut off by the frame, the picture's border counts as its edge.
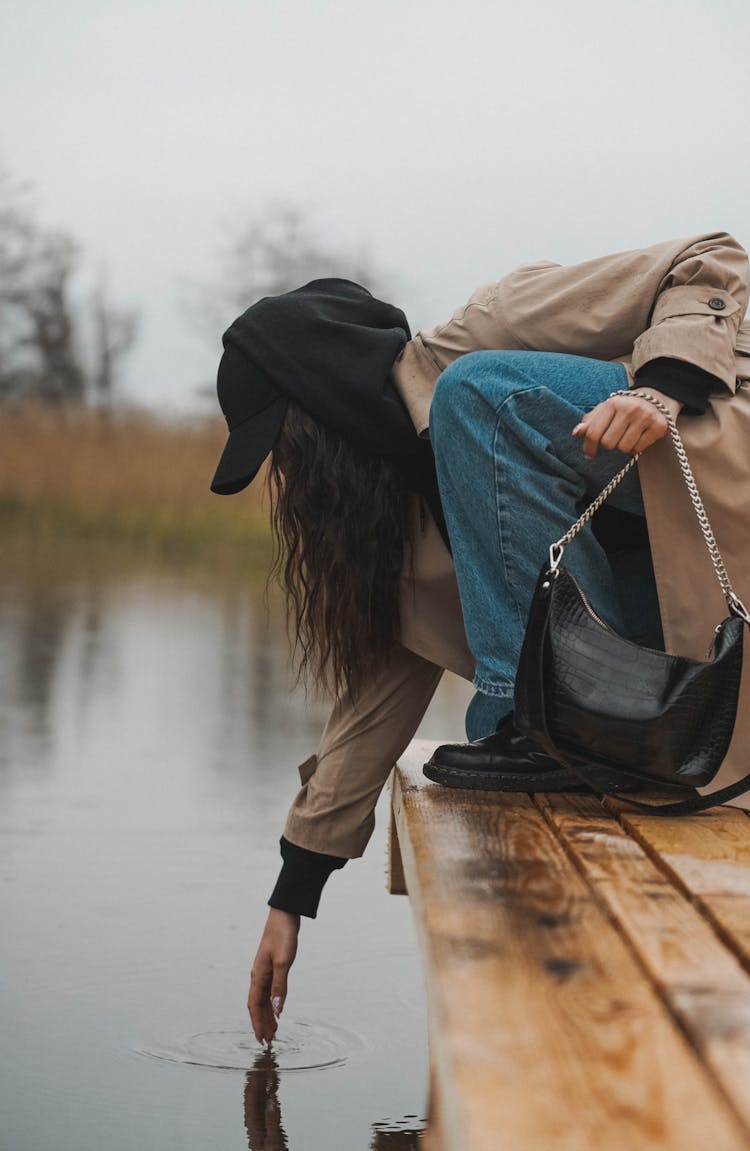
(395, 878)
(699, 977)
(709, 856)
(545, 1032)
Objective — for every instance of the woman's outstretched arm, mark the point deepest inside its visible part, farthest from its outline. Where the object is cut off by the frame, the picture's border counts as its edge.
(332, 816)
(268, 978)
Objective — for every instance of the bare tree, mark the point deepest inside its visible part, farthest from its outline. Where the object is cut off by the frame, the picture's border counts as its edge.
(51, 322)
(114, 333)
(41, 341)
(17, 241)
(273, 253)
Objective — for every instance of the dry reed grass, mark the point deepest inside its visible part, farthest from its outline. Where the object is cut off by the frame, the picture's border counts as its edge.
(130, 476)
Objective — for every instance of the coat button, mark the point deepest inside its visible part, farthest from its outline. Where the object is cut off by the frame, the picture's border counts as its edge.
(717, 304)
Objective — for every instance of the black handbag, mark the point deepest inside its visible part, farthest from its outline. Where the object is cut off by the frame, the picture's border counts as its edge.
(594, 700)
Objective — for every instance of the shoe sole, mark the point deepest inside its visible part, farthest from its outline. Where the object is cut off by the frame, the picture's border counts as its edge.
(529, 782)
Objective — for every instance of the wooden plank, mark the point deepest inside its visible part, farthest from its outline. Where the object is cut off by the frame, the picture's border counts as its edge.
(709, 856)
(700, 979)
(545, 1032)
(395, 879)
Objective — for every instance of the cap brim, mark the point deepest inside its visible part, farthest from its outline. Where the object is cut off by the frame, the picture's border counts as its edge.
(247, 447)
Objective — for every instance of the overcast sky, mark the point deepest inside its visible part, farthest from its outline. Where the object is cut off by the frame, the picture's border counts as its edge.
(451, 140)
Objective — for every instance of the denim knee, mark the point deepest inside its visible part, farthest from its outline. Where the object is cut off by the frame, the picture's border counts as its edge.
(452, 391)
(474, 387)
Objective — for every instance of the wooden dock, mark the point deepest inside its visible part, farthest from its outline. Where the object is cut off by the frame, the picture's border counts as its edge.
(587, 969)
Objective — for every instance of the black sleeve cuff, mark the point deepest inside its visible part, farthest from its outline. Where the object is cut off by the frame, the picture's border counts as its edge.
(302, 878)
(684, 382)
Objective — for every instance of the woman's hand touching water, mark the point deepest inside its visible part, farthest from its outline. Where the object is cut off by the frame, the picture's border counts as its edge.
(268, 978)
(627, 423)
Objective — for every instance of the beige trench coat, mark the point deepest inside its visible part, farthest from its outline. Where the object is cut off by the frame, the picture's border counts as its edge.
(685, 299)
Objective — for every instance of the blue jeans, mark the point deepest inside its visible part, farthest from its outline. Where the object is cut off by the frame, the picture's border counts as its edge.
(512, 481)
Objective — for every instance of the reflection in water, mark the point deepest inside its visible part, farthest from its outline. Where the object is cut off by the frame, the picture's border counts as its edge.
(32, 629)
(264, 1128)
(41, 620)
(148, 742)
(393, 1139)
(86, 635)
(40, 628)
(305, 1046)
(261, 1105)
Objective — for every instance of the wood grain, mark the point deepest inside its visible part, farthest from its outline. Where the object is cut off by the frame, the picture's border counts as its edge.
(699, 977)
(709, 857)
(545, 1033)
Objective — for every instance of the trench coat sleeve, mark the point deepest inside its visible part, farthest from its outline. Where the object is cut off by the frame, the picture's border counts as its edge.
(333, 812)
(682, 299)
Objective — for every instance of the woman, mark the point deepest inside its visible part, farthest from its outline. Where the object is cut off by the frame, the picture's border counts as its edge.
(329, 381)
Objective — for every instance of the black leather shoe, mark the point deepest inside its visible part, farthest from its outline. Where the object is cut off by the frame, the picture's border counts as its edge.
(509, 761)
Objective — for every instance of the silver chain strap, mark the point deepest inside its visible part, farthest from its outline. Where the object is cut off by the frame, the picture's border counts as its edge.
(556, 550)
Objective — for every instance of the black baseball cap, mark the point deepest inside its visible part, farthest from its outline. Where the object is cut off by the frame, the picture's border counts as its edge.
(254, 410)
(328, 346)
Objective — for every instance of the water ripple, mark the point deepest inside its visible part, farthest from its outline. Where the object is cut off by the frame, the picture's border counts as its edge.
(302, 1045)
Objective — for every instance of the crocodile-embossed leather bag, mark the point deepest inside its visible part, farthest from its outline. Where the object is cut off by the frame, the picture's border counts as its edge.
(594, 700)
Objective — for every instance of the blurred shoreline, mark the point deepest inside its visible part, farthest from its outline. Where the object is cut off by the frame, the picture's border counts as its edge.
(127, 482)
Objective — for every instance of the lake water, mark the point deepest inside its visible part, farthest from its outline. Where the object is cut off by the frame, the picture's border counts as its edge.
(148, 751)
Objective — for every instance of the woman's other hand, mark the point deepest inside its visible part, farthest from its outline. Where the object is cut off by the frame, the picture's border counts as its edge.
(274, 957)
(627, 423)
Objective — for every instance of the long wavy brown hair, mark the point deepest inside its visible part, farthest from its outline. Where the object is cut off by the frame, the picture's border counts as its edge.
(341, 524)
